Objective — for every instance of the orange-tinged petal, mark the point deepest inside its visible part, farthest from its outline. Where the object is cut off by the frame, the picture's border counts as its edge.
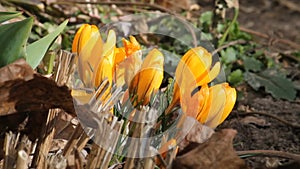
(208, 76)
(193, 70)
(128, 60)
(88, 45)
(218, 105)
(165, 147)
(214, 111)
(148, 79)
(103, 70)
(77, 37)
(230, 101)
(131, 46)
(109, 46)
(120, 55)
(193, 104)
(196, 62)
(126, 70)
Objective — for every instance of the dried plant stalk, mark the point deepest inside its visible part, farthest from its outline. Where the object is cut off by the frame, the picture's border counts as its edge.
(73, 140)
(135, 147)
(22, 160)
(101, 155)
(64, 68)
(10, 142)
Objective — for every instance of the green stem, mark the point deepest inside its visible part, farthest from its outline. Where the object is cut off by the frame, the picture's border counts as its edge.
(236, 14)
(51, 62)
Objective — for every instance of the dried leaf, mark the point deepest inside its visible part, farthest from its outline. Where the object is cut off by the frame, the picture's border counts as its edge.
(26, 97)
(216, 153)
(196, 132)
(255, 120)
(232, 3)
(21, 90)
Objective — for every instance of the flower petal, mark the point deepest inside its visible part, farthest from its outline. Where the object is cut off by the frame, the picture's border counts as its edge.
(103, 70)
(131, 46)
(218, 106)
(148, 79)
(230, 101)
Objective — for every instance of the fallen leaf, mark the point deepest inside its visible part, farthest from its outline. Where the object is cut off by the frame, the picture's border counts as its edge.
(216, 153)
(26, 97)
(193, 131)
(22, 90)
(255, 120)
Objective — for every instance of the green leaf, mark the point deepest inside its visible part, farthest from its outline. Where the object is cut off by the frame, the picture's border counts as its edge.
(206, 17)
(5, 16)
(13, 39)
(253, 64)
(228, 55)
(236, 77)
(276, 85)
(37, 50)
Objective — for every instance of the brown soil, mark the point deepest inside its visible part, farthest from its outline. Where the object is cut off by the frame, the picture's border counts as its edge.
(277, 19)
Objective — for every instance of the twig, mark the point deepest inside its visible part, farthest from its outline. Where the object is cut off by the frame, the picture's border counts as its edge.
(290, 4)
(290, 55)
(232, 43)
(142, 4)
(273, 153)
(265, 36)
(272, 116)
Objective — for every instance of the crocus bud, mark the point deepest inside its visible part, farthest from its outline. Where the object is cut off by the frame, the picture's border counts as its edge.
(148, 79)
(87, 44)
(217, 105)
(193, 70)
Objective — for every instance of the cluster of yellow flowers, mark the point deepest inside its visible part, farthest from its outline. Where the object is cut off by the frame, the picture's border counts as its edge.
(98, 60)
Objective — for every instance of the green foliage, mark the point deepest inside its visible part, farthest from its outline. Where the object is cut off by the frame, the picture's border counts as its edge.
(236, 77)
(278, 86)
(13, 40)
(206, 20)
(229, 55)
(37, 50)
(5, 16)
(252, 64)
(246, 62)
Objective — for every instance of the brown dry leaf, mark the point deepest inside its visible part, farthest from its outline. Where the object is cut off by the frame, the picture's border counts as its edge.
(216, 153)
(260, 122)
(26, 97)
(232, 3)
(195, 132)
(21, 90)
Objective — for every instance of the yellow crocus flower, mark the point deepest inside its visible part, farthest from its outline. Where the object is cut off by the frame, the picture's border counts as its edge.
(131, 56)
(106, 64)
(87, 44)
(193, 70)
(217, 105)
(131, 46)
(148, 79)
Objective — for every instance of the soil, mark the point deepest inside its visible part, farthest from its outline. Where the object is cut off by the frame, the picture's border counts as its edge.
(278, 19)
